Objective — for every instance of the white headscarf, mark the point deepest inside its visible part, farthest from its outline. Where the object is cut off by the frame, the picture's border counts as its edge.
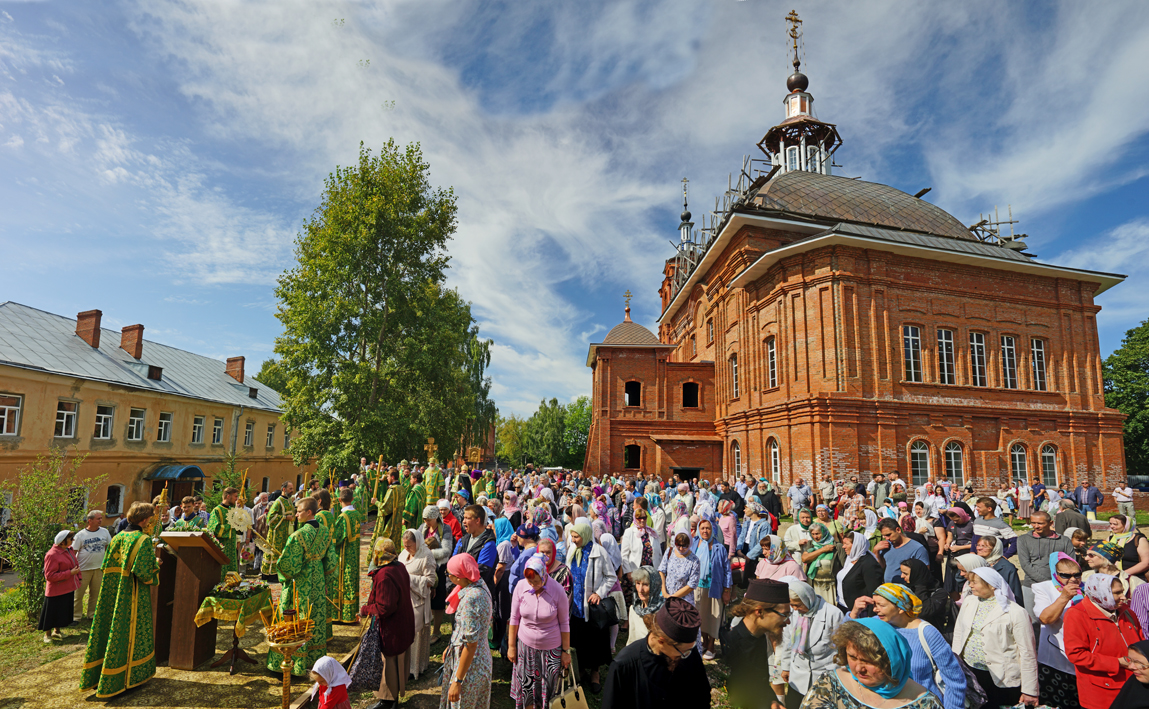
(332, 673)
(61, 536)
(1099, 589)
(859, 548)
(1001, 590)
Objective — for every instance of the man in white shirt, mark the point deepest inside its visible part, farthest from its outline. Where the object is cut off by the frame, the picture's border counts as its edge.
(1123, 496)
(89, 544)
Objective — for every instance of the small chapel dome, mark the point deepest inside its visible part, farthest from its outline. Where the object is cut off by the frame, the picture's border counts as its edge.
(797, 82)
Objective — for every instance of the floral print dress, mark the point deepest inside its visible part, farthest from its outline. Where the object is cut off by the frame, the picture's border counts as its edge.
(680, 571)
(472, 621)
(829, 693)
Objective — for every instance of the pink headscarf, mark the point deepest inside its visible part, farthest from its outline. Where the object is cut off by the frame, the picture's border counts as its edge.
(463, 566)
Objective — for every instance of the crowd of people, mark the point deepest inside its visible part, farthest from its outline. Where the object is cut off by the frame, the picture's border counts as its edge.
(870, 594)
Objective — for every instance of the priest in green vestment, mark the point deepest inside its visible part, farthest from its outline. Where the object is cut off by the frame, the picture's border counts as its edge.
(331, 560)
(226, 534)
(280, 525)
(433, 484)
(121, 644)
(301, 576)
(362, 490)
(416, 501)
(389, 522)
(345, 539)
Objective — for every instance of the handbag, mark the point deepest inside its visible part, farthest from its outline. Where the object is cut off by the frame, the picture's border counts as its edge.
(601, 615)
(975, 696)
(570, 695)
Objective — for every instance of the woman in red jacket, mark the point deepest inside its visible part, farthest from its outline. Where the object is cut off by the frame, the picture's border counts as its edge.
(1098, 633)
(62, 578)
(390, 603)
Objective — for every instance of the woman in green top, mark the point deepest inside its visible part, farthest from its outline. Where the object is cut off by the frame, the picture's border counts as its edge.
(818, 556)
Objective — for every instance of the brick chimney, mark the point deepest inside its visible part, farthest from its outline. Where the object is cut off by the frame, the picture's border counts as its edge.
(235, 368)
(132, 340)
(88, 327)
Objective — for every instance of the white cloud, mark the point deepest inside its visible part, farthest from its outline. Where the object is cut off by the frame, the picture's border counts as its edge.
(1125, 250)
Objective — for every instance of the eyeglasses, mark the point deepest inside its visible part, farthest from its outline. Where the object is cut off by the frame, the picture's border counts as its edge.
(784, 614)
(1070, 576)
(1135, 664)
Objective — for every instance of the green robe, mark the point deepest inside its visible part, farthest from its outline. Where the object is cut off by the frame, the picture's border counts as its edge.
(330, 568)
(301, 571)
(433, 483)
(389, 523)
(413, 510)
(362, 493)
(121, 644)
(345, 540)
(279, 528)
(183, 525)
(218, 525)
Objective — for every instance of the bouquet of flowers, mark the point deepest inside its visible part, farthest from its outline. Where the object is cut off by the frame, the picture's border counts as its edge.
(240, 591)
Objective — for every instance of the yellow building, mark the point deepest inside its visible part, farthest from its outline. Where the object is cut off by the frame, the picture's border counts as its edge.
(144, 413)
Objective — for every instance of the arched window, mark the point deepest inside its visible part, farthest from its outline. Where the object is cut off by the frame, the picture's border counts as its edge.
(632, 394)
(771, 364)
(955, 465)
(734, 374)
(1049, 466)
(1018, 465)
(736, 456)
(793, 157)
(689, 395)
(693, 346)
(632, 456)
(919, 463)
(775, 462)
(813, 163)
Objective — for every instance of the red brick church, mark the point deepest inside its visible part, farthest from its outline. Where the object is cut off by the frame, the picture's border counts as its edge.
(826, 326)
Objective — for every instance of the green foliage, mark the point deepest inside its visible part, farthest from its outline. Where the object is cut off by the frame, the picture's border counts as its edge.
(555, 434)
(510, 434)
(229, 475)
(47, 496)
(1126, 374)
(272, 375)
(576, 431)
(376, 353)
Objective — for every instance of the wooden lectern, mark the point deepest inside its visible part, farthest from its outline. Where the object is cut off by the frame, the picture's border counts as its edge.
(197, 572)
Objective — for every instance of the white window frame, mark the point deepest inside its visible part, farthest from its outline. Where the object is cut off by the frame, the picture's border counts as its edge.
(217, 431)
(249, 434)
(710, 330)
(66, 420)
(775, 462)
(198, 423)
(104, 421)
(1018, 463)
(771, 362)
(10, 415)
(947, 372)
(120, 509)
(734, 373)
(136, 424)
(955, 463)
(1037, 363)
(912, 352)
(271, 435)
(164, 428)
(736, 455)
(1009, 361)
(793, 158)
(977, 363)
(919, 457)
(286, 437)
(813, 159)
(1048, 462)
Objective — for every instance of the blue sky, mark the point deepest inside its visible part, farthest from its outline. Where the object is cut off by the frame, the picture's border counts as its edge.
(157, 158)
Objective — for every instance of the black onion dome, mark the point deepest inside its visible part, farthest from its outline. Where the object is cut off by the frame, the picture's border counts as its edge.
(797, 81)
(685, 216)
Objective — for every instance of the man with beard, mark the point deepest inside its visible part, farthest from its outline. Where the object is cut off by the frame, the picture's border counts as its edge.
(664, 670)
(768, 499)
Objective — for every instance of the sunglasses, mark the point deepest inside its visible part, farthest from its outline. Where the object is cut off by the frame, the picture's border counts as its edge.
(682, 546)
(1070, 576)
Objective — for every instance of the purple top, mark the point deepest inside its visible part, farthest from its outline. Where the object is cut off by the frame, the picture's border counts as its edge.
(540, 616)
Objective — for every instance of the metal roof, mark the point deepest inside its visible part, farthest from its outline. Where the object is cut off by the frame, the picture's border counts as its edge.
(175, 472)
(34, 339)
(629, 332)
(928, 240)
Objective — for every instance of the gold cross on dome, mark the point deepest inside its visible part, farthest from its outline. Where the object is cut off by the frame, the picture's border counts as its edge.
(430, 448)
(628, 296)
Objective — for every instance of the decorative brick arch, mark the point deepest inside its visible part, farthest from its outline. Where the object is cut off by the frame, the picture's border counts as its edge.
(966, 459)
(1059, 463)
(1028, 448)
(910, 483)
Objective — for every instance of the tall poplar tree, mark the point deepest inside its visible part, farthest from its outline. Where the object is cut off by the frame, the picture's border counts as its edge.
(1126, 375)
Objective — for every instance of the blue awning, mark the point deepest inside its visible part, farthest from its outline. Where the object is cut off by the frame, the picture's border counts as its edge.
(175, 472)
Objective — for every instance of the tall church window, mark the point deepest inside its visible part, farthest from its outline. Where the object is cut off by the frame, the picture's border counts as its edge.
(710, 331)
(693, 346)
(977, 359)
(1018, 465)
(632, 456)
(1008, 362)
(1049, 466)
(734, 374)
(736, 457)
(1037, 361)
(771, 363)
(912, 345)
(793, 158)
(813, 164)
(690, 395)
(955, 464)
(946, 357)
(632, 394)
(919, 463)
(775, 462)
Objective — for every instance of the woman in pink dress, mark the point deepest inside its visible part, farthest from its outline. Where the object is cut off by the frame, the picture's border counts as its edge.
(776, 561)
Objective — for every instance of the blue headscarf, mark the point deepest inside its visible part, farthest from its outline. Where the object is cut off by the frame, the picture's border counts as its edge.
(897, 650)
(503, 530)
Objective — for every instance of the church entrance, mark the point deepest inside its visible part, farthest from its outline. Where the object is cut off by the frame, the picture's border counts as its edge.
(686, 474)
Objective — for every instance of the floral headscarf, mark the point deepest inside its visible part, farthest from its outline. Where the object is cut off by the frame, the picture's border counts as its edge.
(1099, 589)
(902, 597)
(656, 599)
(1054, 558)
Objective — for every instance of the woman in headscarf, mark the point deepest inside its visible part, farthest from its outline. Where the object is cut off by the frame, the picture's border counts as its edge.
(466, 673)
(331, 683)
(61, 579)
(656, 516)
(1134, 546)
(825, 516)
(511, 508)
(603, 537)
(807, 642)
(775, 561)
(1102, 559)
(1051, 601)
(1134, 693)
(965, 565)
(539, 644)
(990, 549)
(936, 603)
(960, 541)
(728, 525)
(440, 540)
(874, 671)
(556, 569)
(797, 537)
(421, 569)
(647, 600)
(860, 574)
(755, 528)
(900, 607)
(714, 584)
(818, 557)
(591, 582)
(1098, 633)
(390, 604)
(994, 637)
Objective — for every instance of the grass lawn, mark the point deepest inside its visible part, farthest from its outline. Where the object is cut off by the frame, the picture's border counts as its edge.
(23, 647)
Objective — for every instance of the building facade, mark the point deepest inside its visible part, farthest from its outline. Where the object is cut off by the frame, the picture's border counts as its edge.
(144, 414)
(837, 327)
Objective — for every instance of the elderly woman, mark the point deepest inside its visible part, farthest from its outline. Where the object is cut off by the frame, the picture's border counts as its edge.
(592, 579)
(61, 578)
(1098, 631)
(755, 527)
(1051, 601)
(714, 584)
(438, 537)
(824, 516)
(874, 671)
(640, 545)
(965, 565)
(680, 569)
(807, 642)
(797, 537)
(861, 573)
(1102, 557)
(390, 604)
(466, 675)
(776, 562)
(990, 549)
(511, 508)
(556, 569)
(421, 569)
(647, 600)
(539, 644)
(993, 635)
(932, 657)
(960, 542)
(818, 557)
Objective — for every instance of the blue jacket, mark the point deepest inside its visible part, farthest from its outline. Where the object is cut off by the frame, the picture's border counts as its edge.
(748, 541)
(720, 578)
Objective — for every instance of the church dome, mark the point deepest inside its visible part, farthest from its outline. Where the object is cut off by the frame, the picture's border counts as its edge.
(629, 332)
(840, 199)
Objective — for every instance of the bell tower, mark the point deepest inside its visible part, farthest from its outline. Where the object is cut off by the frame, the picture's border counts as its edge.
(800, 141)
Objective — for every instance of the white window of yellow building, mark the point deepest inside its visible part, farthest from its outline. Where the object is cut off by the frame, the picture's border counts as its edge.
(197, 429)
(164, 431)
(104, 416)
(9, 414)
(66, 419)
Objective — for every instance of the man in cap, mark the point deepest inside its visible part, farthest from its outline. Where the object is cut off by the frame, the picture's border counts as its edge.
(664, 670)
(765, 610)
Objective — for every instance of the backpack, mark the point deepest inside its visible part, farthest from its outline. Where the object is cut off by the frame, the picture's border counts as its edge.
(975, 696)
